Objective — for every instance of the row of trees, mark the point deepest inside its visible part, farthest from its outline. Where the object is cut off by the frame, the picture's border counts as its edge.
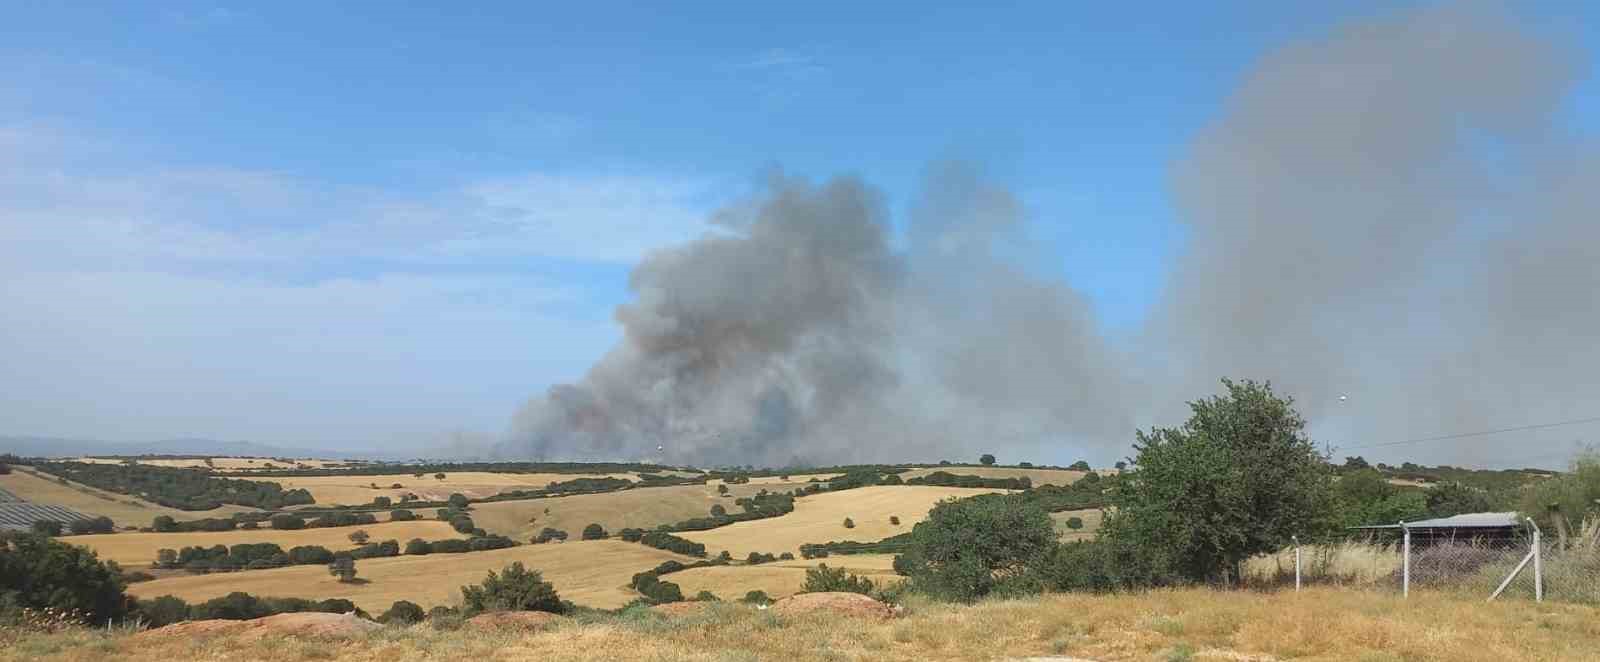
(184, 489)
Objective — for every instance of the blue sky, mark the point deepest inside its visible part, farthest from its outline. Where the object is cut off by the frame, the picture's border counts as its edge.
(369, 224)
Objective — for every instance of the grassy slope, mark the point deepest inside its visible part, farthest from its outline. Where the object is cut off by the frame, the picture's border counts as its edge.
(1091, 523)
(779, 579)
(590, 573)
(820, 518)
(1038, 476)
(134, 550)
(123, 509)
(1319, 624)
(645, 507)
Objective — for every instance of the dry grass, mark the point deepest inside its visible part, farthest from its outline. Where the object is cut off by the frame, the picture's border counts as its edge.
(1339, 563)
(225, 464)
(820, 518)
(590, 573)
(355, 490)
(1318, 624)
(1092, 517)
(1038, 476)
(123, 509)
(134, 550)
(780, 579)
(643, 507)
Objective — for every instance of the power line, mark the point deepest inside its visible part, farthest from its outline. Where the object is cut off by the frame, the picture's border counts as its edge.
(1483, 433)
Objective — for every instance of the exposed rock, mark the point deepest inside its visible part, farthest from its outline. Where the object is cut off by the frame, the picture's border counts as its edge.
(847, 604)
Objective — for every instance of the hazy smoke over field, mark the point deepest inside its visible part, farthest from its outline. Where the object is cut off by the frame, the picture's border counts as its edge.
(1393, 211)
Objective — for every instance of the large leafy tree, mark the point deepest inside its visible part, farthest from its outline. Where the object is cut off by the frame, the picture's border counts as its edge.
(1238, 479)
(515, 588)
(38, 572)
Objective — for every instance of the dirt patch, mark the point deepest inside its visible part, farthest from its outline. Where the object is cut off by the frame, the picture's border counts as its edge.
(308, 624)
(512, 620)
(847, 604)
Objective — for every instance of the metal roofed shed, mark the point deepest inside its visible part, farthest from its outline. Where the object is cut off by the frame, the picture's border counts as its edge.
(1489, 528)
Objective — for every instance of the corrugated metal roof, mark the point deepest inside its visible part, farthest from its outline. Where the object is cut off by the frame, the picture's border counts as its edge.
(1466, 521)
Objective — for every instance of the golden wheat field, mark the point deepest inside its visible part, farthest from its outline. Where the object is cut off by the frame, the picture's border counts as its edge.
(225, 464)
(592, 573)
(642, 507)
(1319, 625)
(123, 509)
(779, 579)
(355, 490)
(820, 518)
(1038, 476)
(134, 550)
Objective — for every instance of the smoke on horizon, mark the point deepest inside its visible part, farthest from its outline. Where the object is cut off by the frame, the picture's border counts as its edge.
(1393, 211)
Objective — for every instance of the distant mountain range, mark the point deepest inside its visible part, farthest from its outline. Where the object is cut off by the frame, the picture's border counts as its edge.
(58, 447)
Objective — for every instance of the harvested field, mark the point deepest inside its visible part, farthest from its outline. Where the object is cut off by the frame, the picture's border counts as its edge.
(1091, 524)
(123, 509)
(642, 507)
(780, 579)
(1038, 476)
(355, 490)
(592, 573)
(226, 464)
(135, 550)
(820, 518)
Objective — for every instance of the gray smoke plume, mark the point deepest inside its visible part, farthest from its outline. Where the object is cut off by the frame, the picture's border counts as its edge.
(1393, 212)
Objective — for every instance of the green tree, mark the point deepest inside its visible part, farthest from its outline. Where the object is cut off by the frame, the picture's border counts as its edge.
(722, 489)
(718, 511)
(403, 612)
(458, 501)
(593, 532)
(164, 524)
(894, 520)
(438, 476)
(1447, 499)
(757, 598)
(46, 527)
(344, 568)
(1080, 465)
(38, 572)
(849, 523)
(515, 588)
(360, 536)
(969, 548)
(382, 501)
(1238, 479)
(823, 579)
(1075, 523)
(986, 459)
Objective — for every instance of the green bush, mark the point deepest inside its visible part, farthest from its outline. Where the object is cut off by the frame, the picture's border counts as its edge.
(403, 612)
(823, 579)
(1075, 523)
(417, 546)
(757, 598)
(458, 501)
(594, 532)
(706, 596)
(514, 588)
(967, 549)
(344, 568)
(402, 516)
(164, 610)
(48, 528)
(287, 522)
(93, 525)
(38, 572)
(849, 523)
(548, 534)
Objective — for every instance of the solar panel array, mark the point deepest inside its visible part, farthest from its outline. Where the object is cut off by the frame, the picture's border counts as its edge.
(19, 515)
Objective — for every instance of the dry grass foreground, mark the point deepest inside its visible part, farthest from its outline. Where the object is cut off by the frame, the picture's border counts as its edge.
(1200, 624)
(355, 490)
(123, 509)
(643, 507)
(1039, 477)
(589, 573)
(780, 579)
(134, 550)
(820, 518)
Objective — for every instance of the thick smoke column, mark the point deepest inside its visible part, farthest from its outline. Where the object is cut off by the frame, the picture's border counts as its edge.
(1393, 211)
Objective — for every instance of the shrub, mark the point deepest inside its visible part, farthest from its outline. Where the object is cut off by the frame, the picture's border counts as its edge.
(718, 511)
(672, 543)
(894, 519)
(287, 522)
(725, 556)
(417, 546)
(594, 532)
(514, 588)
(463, 524)
(162, 611)
(632, 535)
(458, 501)
(986, 459)
(965, 549)
(93, 525)
(548, 534)
(722, 489)
(310, 555)
(38, 572)
(1075, 523)
(786, 556)
(164, 524)
(849, 523)
(382, 501)
(823, 579)
(402, 516)
(757, 598)
(402, 612)
(1080, 465)
(359, 536)
(377, 550)
(706, 596)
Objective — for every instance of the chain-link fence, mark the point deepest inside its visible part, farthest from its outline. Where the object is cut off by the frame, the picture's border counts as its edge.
(1520, 563)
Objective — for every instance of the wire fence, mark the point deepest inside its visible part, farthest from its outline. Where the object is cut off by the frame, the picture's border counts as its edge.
(1520, 564)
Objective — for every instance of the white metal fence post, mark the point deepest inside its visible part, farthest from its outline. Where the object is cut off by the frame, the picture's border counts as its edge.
(1296, 540)
(1538, 564)
(1405, 564)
